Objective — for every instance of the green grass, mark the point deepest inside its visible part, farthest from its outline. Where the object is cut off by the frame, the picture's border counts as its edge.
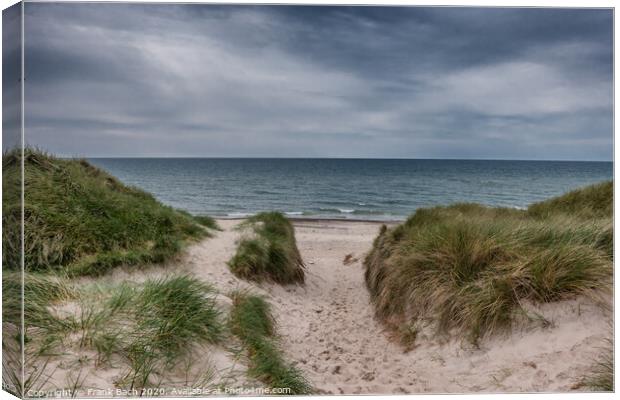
(251, 316)
(40, 292)
(601, 376)
(589, 202)
(207, 221)
(270, 252)
(80, 221)
(83, 220)
(251, 320)
(468, 268)
(43, 332)
(150, 328)
(171, 314)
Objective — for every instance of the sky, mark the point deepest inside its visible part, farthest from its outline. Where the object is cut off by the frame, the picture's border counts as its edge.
(11, 72)
(176, 80)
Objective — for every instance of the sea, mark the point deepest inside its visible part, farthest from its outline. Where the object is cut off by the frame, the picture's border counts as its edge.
(365, 189)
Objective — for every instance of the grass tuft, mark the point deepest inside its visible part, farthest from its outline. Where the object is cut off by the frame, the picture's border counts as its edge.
(468, 267)
(271, 252)
(170, 315)
(150, 327)
(40, 291)
(251, 316)
(41, 325)
(601, 377)
(207, 221)
(183, 305)
(251, 320)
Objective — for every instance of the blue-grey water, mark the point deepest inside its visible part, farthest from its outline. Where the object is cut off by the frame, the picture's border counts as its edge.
(347, 188)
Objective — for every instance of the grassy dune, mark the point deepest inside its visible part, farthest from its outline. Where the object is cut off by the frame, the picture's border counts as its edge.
(468, 268)
(269, 252)
(80, 219)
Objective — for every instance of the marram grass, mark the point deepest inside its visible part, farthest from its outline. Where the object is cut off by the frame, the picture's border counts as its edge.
(594, 201)
(601, 376)
(41, 326)
(171, 314)
(146, 330)
(468, 268)
(270, 251)
(251, 321)
(152, 326)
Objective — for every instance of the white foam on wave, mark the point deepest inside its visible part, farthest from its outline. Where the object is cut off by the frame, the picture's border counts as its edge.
(240, 214)
(346, 210)
(294, 213)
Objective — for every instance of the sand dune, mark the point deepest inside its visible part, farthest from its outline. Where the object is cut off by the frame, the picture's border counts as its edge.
(328, 329)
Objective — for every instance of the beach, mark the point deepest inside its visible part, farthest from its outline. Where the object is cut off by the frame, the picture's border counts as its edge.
(460, 298)
(328, 329)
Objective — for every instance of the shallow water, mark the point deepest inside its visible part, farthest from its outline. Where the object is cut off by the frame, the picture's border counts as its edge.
(347, 188)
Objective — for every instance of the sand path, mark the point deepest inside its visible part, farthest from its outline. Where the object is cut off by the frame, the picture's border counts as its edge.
(328, 330)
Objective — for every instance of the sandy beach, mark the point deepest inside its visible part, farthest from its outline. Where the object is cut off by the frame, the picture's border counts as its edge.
(328, 329)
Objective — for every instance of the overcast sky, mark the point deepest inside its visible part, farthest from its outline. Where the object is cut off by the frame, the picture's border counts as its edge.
(272, 81)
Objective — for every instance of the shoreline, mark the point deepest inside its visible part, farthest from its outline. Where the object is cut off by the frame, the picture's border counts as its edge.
(321, 219)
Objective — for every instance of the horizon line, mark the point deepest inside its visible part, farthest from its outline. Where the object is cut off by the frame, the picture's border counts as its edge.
(335, 158)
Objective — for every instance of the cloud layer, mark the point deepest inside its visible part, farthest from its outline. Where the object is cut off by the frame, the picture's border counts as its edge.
(282, 81)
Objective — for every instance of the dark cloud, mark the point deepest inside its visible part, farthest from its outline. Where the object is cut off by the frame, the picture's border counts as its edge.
(200, 80)
(11, 74)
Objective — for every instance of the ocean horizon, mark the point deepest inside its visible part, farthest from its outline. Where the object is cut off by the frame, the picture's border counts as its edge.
(347, 188)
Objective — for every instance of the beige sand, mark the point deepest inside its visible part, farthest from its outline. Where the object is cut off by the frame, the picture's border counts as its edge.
(328, 330)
